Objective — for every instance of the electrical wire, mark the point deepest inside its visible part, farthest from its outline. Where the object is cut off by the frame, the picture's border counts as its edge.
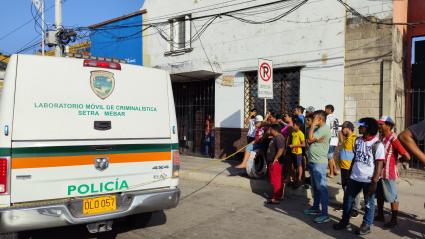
(205, 52)
(192, 11)
(191, 19)
(210, 21)
(26, 47)
(378, 22)
(36, 16)
(25, 24)
(270, 20)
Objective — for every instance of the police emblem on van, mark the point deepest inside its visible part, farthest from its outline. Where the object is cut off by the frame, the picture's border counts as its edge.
(102, 83)
(101, 163)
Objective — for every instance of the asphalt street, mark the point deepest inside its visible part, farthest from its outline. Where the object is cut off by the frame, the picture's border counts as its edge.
(219, 211)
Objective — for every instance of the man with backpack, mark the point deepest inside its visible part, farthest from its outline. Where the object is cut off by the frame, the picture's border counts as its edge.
(366, 169)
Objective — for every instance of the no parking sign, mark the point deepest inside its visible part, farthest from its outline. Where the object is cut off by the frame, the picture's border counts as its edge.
(265, 79)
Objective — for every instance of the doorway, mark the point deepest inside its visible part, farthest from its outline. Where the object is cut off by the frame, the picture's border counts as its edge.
(194, 102)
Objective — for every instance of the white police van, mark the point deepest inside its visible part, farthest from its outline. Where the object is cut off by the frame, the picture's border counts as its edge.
(84, 141)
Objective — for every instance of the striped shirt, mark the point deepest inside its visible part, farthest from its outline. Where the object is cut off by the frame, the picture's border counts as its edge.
(393, 149)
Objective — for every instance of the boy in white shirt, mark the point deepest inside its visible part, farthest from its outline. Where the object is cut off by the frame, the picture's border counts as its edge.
(366, 169)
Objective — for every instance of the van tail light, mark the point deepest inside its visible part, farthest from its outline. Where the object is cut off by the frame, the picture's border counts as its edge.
(4, 175)
(102, 64)
(176, 163)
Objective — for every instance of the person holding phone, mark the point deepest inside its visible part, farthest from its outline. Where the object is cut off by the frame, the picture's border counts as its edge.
(318, 138)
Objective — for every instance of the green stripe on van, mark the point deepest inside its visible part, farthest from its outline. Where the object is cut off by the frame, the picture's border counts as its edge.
(5, 151)
(86, 150)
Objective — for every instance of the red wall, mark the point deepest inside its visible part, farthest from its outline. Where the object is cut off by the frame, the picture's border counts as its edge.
(415, 13)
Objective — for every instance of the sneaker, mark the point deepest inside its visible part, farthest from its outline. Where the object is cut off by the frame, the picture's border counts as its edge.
(322, 219)
(312, 212)
(354, 214)
(390, 225)
(339, 209)
(340, 226)
(364, 230)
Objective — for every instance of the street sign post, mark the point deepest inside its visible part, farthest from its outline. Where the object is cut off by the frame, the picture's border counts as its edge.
(265, 81)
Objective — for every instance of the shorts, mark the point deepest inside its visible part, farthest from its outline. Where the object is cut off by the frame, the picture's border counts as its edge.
(297, 160)
(253, 147)
(388, 189)
(331, 152)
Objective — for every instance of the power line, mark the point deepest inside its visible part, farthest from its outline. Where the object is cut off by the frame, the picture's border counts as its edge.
(16, 29)
(209, 22)
(378, 22)
(24, 48)
(191, 11)
(271, 20)
(191, 19)
(24, 24)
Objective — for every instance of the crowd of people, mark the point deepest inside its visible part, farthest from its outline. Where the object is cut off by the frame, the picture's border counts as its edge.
(313, 140)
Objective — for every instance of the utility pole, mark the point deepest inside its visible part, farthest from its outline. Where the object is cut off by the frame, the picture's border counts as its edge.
(58, 24)
(43, 33)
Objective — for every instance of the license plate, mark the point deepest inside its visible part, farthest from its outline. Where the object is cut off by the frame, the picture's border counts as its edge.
(99, 205)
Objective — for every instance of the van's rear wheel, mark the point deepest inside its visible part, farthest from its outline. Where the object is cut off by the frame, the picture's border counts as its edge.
(11, 235)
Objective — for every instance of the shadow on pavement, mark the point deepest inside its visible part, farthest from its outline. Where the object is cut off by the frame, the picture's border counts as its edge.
(296, 200)
(408, 227)
(293, 206)
(122, 225)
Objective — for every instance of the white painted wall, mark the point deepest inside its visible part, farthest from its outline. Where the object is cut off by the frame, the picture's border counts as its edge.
(312, 37)
(229, 103)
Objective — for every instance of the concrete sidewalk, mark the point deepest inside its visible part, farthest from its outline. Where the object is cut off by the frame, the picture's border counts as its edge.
(213, 171)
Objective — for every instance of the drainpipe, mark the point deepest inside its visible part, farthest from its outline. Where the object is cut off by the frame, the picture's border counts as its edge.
(381, 90)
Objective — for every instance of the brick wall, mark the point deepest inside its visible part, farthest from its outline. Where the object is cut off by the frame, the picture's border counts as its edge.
(368, 67)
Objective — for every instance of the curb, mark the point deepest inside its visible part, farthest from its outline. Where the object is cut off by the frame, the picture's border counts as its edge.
(260, 186)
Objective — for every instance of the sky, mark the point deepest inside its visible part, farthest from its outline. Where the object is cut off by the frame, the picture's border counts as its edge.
(16, 13)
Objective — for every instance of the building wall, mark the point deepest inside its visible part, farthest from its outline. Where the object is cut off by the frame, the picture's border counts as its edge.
(374, 69)
(368, 91)
(119, 43)
(311, 37)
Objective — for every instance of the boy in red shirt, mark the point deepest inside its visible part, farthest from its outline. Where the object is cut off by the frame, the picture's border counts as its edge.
(387, 186)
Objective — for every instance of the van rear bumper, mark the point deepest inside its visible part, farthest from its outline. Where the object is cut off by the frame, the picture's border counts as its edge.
(58, 215)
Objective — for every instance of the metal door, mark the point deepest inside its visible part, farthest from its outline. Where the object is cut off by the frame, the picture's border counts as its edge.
(194, 102)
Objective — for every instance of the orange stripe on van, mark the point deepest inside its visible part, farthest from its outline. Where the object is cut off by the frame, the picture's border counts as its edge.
(64, 161)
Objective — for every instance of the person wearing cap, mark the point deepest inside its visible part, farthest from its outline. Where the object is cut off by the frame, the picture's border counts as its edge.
(347, 139)
(250, 121)
(387, 186)
(366, 169)
(256, 144)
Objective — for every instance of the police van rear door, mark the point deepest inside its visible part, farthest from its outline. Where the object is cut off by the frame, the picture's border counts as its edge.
(87, 127)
